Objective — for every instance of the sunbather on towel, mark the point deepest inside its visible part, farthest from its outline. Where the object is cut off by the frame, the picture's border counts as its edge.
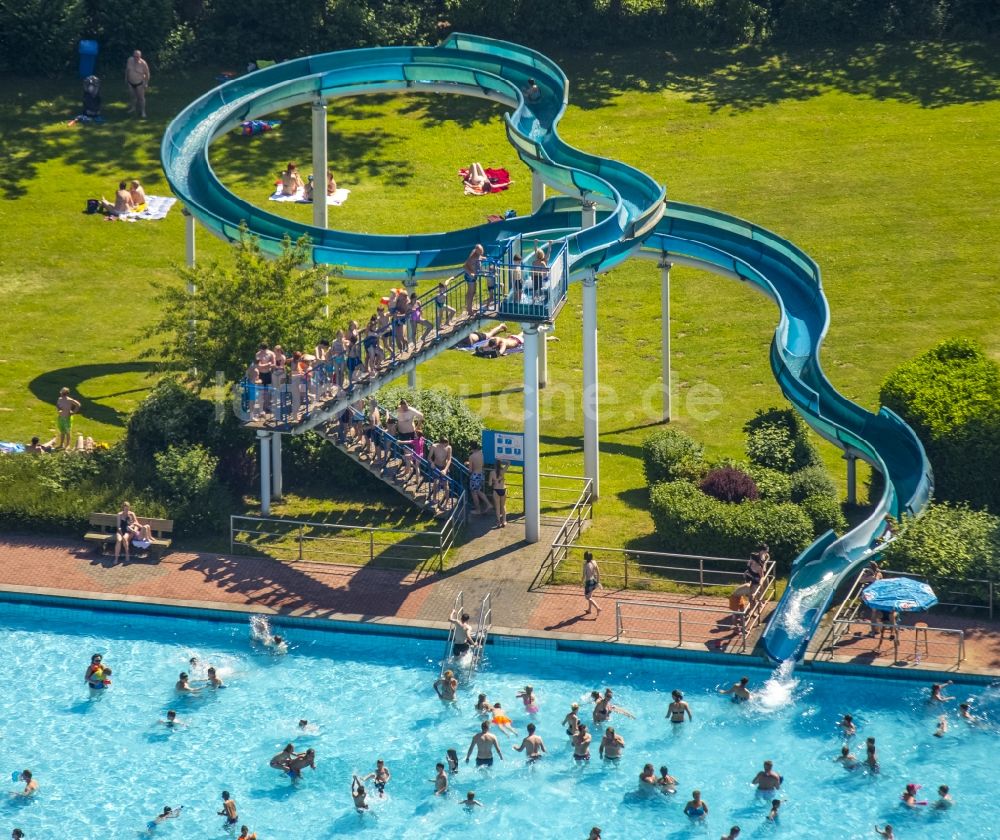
(505, 343)
(291, 180)
(331, 185)
(478, 337)
(476, 178)
(138, 195)
(122, 203)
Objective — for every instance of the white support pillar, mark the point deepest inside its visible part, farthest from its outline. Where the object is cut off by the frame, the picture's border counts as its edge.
(537, 191)
(588, 216)
(852, 477)
(410, 331)
(189, 229)
(543, 355)
(532, 467)
(265, 471)
(276, 474)
(665, 334)
(320, 162)
(591, 449)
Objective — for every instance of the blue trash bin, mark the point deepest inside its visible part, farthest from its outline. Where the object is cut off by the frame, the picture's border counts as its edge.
(88, 58)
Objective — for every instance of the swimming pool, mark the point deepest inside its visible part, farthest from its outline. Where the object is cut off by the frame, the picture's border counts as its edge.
(105, 767)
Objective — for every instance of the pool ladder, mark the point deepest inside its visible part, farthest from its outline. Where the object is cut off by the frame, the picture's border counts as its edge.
(480, 634)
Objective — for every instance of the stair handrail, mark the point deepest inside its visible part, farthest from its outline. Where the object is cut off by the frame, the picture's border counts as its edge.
(483, 627)
(449, 643)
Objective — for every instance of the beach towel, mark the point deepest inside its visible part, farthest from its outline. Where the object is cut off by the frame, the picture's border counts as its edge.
(251, 128)
(157, 207)
(499, 181)
(11, 448)
(339, 197)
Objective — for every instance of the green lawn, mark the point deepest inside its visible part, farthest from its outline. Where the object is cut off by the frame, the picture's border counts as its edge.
(881, 163)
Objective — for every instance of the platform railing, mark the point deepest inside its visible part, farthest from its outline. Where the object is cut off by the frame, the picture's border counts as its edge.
(897, 630)
(683, 616)
(529, 293)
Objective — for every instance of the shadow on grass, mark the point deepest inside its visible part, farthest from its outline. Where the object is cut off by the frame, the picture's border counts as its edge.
(45, 387)
(931, 75)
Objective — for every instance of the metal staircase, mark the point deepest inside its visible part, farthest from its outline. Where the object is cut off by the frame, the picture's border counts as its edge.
(483, 626)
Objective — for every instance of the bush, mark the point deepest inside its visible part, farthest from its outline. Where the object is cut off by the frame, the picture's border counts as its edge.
(121, 26)
(812, 481)
(312, 462)
(670, 455)
(690, 522)
(773, 485)
(825, 513)
(444, 414)
(40, 36)
(728, 484)
(186, 480)
(951, 397)
(949, 541)
(778, 438)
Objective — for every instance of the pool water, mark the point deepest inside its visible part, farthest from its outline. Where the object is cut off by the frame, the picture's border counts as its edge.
(105, 767)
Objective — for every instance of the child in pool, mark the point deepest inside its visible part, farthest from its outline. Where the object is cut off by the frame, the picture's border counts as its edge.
(501, 720)
(528, 698)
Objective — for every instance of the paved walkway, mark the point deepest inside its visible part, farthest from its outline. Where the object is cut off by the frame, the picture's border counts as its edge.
(498, 561)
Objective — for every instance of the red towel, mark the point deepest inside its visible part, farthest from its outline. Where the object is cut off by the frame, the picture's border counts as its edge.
(499, 181)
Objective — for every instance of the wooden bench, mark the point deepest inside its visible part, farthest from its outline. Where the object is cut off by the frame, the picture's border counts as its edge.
(104, 525)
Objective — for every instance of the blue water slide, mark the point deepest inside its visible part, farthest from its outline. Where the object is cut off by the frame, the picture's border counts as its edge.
(632, 218)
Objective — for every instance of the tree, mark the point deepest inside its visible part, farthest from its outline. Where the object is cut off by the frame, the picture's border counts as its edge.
(219, 327)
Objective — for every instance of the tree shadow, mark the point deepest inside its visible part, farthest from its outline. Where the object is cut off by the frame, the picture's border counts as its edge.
(464, 111)
(45, 387)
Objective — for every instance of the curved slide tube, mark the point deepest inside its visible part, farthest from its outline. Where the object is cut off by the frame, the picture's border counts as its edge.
(634, 221)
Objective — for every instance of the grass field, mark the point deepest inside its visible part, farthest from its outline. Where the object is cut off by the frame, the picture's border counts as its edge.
(881, 163)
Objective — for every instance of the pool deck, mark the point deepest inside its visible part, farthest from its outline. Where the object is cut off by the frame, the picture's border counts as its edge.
(494, 560)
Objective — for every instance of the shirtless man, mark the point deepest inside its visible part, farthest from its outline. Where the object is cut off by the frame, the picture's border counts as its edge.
(300, 761)
(122, 203)
(484, 742)
(381, 776)
(937, 693)
(532, 745)
(66, 407)
(505, 343)
(280, 761)
(440, 458)
(477, 480)
(739, 690)
(30, 785)
(611, 746)
(767, 780)
(213, 680)
(581, 744)
(847, 758)
(440, 781)
(474, 338)
(470, 271)
(848, 727)
(358, 795)
(183, 684)
(446, 685)
(229, 809)
(137, 79)
(406, 416)
(647, 779)
(463, 633)
(265, 361)
(677, 709)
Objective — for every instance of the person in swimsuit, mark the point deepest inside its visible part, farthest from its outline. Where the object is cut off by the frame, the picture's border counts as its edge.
(381, 776)
(442, 312)
(463, 634)
(373, 352)
(417, 319)
(66, 407)
(96, 672)
(595, 833)
(604, 708)
(484, 706)
(502, 720)
(229, 809)
(406, 419)
(353, 352)
(477, 481)
(666, 782)
(532, 745)
(734, 832)
(137, 79)
(291, 179)
(440, 780)
(484, 742)
(502, 345)
(476, 178)
(167, 813)
(846, 758)
(937, 693)
(697, 808)
(591, 580)
(540, 271)
(572, 720)
(415, 453)
(909, 796)
(871, 757)
(30, 784)
(474, 338)
(358, 795)
(446, 686)
(280, 761)
(886, 832)
(246, 834)
(677, 709)
(944, 798)
(775, 805)
(498, 484)
(581, 744)
(123, 530)
(611, 745)
(470, 272)
(471, 801)
(767, 780)
(172, 721)
(400, 315)
(647, 779)
(528, 698)
(440, 458)
(739, 691)
(137, 194)
(847, 726)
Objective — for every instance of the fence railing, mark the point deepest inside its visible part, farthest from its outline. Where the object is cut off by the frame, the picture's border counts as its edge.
(531, 291)
(959, 592)
(684, 619)
(302, 540)
(920, 632)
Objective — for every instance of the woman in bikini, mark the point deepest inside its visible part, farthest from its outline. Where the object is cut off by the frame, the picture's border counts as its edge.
(591, 580)
(371, 344)
(498, 484)
(572, 720)
(291, 180)
(678, 708)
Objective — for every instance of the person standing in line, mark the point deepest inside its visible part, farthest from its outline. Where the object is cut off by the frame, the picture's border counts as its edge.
(470, 273)
(66, 407)
(137, 79)
(498, 484)
(476, 481)
(591, 580)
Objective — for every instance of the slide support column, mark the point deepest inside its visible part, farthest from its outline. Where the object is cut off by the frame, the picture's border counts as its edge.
(189, 252)
(276, 474)
(665, 267)
(852, 477)
(532, 479)
(265, 472)
(411, 286)
(591, 451)
(543, 355)
(537, 191)
(320, 163)
(588, 217)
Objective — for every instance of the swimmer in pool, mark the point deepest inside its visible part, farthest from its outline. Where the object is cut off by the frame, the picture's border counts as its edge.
(734, 832)
(666, 782)
(359, 795)
(30, 785)
(909, 796)
(484, 742)
(307, 727)
(871, 757)
(697, 808)
(484, 706)
(213, 680)
(229, 809)
(965, 712)
(647, 779)
(581, 744)
(572, 720)
(502, 721)
(678, 708)
(847, 758)
(937, 693)
(440, 781)
(446, 686)
(380, 777)
(944, 798)
(885, 832)
(942, 727)
(300, 761)
(168, 814)
(471, 801)
(611, 745)
(277, 644)
(246, 834)
(604, 708)
(767, 779)
(280, 761)
(183, 684)
(848, 727)
(172, 720)
(94, 677)
(775, 805)
(528, 698)
(739, 690)
(532, 745)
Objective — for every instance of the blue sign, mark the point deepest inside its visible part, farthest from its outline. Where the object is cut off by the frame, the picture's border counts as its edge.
(503, 446)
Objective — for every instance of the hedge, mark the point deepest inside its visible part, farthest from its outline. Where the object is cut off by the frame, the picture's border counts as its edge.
(669, 455)
(444, 414)
(825, 513)
(951, 397)
(778, 438)
(951, 541)
(690, 522)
